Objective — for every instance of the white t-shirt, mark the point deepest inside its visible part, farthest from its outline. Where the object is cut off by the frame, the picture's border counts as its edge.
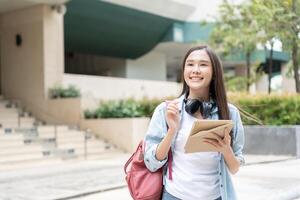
(195, 175)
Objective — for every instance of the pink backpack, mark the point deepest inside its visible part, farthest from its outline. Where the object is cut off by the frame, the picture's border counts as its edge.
(142, 183)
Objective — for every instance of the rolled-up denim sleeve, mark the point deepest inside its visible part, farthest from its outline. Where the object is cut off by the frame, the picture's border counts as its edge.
(239, 137)
(155, 133)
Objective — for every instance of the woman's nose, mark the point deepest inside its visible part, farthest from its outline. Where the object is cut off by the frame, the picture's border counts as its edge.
(196, 68)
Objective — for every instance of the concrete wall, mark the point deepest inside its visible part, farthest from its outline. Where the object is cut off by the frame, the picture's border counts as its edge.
(53, 47)
(62, 111)
(95, 64)
(100, 87)
(22, 66)
(125, 133)
(261, 140)
(27, 71)
(274, 140)
(152, 66)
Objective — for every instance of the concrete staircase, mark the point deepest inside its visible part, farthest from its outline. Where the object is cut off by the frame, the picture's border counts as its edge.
(26, 142)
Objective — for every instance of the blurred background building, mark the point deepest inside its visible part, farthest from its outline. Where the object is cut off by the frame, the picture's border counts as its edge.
(110, 49)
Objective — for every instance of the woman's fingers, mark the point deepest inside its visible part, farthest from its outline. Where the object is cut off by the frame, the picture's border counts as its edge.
(227, 138)
(219, 139)
(172, 112)
(212, 142)
(172, 106)
(173, 109)
(172, 102)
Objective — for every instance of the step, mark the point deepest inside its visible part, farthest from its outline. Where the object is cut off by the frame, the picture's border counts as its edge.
(27, 119)
(82, 146)
(70, 140)
(62, 128)
(93, 143)
(27, 125)
(21, 157)
(9, 113)
(9, 120)
(80, 152)
(13, 143)
(45, 129)
(9, 125)
(32, 148)
(63, 135)
(7, 131)
(70, 133)
(8, 137)
(105, 155)
(3, 105)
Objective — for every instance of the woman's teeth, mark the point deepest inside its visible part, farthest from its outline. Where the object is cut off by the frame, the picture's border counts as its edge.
(196, 79)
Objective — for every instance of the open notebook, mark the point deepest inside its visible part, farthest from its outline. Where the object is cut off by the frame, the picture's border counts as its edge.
(205, 129)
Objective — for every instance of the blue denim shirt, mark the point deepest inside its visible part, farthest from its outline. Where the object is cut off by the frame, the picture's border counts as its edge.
(158, 128)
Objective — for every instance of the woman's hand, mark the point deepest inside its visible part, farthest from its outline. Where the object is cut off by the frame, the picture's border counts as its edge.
(222, 145)
(172, 118)
(172, 115)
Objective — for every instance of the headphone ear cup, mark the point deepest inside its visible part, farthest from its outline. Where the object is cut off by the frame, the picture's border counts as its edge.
(192, 106)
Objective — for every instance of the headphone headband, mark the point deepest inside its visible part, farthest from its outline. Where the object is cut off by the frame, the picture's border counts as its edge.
(193, 105)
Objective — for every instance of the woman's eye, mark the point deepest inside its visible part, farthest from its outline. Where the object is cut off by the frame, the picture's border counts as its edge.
(190, 64)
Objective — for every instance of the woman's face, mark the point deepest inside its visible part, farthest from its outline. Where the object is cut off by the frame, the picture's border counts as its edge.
(198, 70)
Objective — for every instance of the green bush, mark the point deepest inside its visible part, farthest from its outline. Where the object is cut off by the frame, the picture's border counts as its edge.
(89, 114)
(60, 92)
(266, 109)
(269, 109)
(124, 108)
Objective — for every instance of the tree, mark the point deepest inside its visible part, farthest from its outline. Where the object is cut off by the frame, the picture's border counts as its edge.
(291, 34)
(266, 15)
(235, 32)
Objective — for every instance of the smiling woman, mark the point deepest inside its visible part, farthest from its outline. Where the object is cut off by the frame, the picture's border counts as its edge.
(200, 175)
(198, 74)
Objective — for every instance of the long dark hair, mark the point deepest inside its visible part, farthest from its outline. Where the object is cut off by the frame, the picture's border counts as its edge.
(217, 89)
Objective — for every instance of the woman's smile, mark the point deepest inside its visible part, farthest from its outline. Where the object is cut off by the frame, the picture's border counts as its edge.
(196, 78)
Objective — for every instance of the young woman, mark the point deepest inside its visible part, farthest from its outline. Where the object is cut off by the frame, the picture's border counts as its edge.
(202, 175)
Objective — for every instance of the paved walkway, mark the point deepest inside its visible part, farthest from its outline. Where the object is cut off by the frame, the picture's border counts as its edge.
(63, 180)
(266, 177)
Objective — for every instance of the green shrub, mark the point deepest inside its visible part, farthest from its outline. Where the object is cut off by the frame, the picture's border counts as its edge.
(89, 114)
(269, 109)
(266, 109)
(60, 92)
(119, 109)
(124, 108)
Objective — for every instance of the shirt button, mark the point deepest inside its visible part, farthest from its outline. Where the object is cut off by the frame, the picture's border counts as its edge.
(221, 185)
(220, 173)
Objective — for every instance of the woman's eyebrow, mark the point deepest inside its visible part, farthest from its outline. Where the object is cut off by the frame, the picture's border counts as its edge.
(191, 60)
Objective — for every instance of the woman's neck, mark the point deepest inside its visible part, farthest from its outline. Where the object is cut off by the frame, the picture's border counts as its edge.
(201, 95)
